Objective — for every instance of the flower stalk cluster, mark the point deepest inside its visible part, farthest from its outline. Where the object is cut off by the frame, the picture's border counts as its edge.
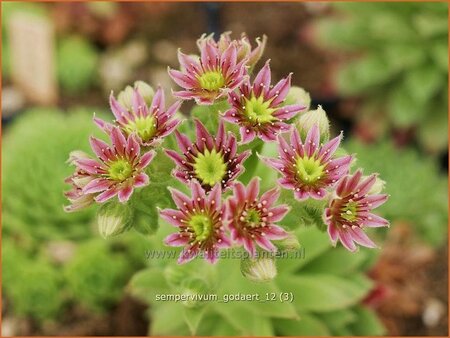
(217, 209)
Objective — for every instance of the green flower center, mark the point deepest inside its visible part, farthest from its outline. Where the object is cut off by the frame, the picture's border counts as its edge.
(210, 167)
(201, 225)
(309, 169)
(258, 110)
(212, 80)
(349, 211)
(144, 127)
(120, 170)
(252, 218)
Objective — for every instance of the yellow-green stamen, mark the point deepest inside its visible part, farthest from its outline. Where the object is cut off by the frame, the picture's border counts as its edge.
(201, 225)
(210, 167)
(252, 218)
(120, 170)
(349, 211)
(309, 169)
(212, 80)
(144, 127)
(258, 110)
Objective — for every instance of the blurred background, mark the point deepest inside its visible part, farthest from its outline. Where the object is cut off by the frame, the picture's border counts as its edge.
(380, 70)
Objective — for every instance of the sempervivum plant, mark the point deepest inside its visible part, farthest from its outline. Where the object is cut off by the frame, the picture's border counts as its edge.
(209, 179)
(401, 64)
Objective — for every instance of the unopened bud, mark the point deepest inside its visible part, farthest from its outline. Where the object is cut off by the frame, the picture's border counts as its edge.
(125, 97)
(262, 269)
(191, 289)
(298, 95)
(289, 244)
(114, 218)
(307, 120)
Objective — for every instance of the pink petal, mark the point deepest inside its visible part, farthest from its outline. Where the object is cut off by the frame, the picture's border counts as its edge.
(146, 159)
(176, 239)
(239, 192)
(312, 140)
(138, 103)
(280, 90)
(288, 112)
(197, 190)
(347, 240)
(247, 135)
(89, 165)
(374, 201)
(375, 221)
(106, 195)
(364, 187)
(214, 197)
(120, 113)
(141, 180)
(118, 140)
(360, 237)
(262, 80)
(97, 185)
(229, 59)
(182, 80)
(332, 233)
(277, 213)
(270, 197)
(249, 246)
(274, 232)
(265, 244)
(125, 193)
(183, 142)
(175, 157)
(133, 148)
(329, 148)
(173, 217)
(253, 189)
(186, 256)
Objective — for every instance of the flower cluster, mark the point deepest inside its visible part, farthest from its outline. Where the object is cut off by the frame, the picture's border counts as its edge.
(221, 210)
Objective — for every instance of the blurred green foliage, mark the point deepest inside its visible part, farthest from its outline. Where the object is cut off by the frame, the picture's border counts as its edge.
(39, 281)
(418, 190)
(77, 64)
(402, 63)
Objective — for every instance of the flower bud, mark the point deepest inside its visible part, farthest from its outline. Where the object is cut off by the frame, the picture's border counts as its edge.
(262, 269)
(298, 95)
(114, 218)
(312, 117)
(289, 244)
(191, 288)
(76, 155)
(125, 97)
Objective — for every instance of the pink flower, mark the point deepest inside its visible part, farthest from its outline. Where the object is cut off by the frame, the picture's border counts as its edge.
(212, 76)
(78, 180)
(252, 219)
(118, 169)
(309, 168)
(150, 124)
(258, 108)
(199, 220)
(350, 211)
(244, 48)
(210, 160)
